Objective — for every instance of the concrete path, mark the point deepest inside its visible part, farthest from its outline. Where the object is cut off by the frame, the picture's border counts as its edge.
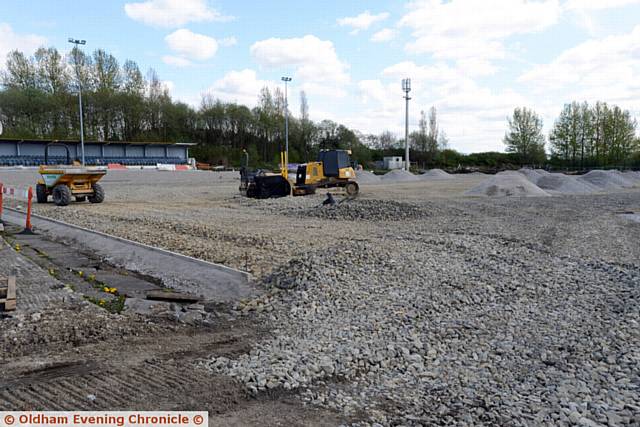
(207, 280)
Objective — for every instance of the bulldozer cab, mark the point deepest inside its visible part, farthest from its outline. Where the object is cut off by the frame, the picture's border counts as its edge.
(333, 161)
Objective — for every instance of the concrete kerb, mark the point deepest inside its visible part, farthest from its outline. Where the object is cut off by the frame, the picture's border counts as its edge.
(181, 272)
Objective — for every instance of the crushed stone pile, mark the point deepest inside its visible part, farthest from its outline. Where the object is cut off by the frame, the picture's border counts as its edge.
(366, 210)
(438, 323)
(531, 174)
(435, 174)
(632, 176)
(366, 177)
(607, 180)
(399, 175)
(565, 184)
(507, 184)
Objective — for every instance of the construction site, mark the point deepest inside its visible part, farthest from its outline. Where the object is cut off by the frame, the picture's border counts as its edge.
(402, 299)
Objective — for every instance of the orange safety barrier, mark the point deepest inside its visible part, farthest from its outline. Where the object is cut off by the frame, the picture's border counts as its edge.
(116, 166)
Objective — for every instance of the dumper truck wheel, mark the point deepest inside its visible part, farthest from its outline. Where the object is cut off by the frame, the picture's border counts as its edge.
(351, 189)
(61, 195)
(41, 193)
(98, 194)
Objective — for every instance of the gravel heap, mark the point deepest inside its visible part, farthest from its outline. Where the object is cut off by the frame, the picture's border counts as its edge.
(450, 329)
(531, 174)
(632, 176)
(366, 177)
(565, 184)
(507, 184)
(399, 175)
(366, 210)
(435, 174)
(607, 180)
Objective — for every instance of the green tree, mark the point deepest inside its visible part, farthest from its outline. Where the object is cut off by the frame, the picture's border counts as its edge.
(524, 136)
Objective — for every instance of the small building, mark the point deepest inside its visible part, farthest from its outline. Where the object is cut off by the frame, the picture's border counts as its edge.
(31, 152)
(394, 162)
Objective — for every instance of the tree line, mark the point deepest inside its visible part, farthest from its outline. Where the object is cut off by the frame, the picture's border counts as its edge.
(583, 136)
(39, 99)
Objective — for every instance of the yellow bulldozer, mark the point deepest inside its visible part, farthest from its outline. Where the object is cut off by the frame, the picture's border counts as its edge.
(332, 170)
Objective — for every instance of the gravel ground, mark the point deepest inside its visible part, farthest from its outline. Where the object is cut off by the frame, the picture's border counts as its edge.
(414, 305)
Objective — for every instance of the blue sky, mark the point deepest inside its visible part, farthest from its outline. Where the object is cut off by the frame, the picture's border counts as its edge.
(474, 60)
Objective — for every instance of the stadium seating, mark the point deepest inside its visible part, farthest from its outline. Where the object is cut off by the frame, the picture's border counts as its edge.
(90, 160)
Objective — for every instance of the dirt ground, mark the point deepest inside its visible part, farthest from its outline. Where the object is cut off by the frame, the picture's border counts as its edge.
(65, 353)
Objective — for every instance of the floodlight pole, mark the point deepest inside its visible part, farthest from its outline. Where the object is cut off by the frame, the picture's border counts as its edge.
(406, 87)
(286, 123)
(77, 43)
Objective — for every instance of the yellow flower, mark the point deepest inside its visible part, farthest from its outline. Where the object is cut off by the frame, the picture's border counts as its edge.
(102, 302)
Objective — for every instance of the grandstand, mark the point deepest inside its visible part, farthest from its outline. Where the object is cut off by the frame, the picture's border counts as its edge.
(25, 152)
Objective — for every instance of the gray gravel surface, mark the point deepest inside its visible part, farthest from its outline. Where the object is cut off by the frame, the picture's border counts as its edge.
(444, 322)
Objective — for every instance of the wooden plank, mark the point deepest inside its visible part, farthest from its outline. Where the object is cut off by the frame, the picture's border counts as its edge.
(8, 293)
(11, 289)
(163, 295)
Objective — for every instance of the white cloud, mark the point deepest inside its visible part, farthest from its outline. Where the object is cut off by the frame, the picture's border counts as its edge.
(606, 69)
(9, 40)
(362, 21)
(325, 90)
(436, 72)
(374, 91)
(597, 4)
(192, 45)
(473, 117)
(242, 87)
(469, 29)
(315, 60)
(172, 13)
(176, 61)
(169, 85)
(384, 35)
(586, 12)
(228, 41)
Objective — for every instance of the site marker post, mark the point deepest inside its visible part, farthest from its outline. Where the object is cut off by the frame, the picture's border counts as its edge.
(1, 222)
(27, 226)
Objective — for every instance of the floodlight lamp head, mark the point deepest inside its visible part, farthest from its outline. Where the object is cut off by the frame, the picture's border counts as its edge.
(286, 79)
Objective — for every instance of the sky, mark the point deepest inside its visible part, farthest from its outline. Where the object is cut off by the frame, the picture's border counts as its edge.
(474, 60)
